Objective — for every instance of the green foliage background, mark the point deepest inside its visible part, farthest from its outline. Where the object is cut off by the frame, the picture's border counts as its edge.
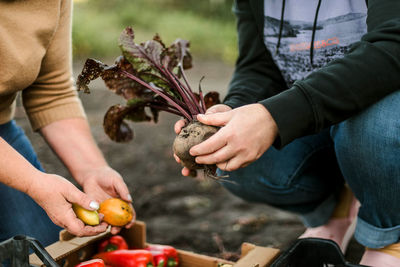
(209, 25)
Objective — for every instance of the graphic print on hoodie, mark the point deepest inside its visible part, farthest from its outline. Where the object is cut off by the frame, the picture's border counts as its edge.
(289, 26)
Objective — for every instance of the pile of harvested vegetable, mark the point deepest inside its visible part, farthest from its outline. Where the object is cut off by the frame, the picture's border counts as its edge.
(115, 252)
(151, 77)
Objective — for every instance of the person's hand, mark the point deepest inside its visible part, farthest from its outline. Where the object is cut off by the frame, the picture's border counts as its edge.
(246, 133)
(103, 183)
(181, 123)
(56, 195)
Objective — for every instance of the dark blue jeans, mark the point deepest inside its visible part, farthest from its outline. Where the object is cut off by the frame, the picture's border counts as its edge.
(306, 175)
(19, 214)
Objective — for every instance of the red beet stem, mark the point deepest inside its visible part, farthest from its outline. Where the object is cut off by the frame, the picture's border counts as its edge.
(160, 93)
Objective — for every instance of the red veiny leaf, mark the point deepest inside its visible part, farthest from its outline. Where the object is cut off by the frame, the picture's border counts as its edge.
(114, 125)
(211, 99)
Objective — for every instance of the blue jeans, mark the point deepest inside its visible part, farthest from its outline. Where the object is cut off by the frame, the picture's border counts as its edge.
(305, 176)
(19, 214)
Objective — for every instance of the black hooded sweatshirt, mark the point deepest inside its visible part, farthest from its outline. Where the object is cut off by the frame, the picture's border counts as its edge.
(354, 60)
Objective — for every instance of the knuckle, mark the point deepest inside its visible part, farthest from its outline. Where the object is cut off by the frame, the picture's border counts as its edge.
(242, 150)
(230, 137)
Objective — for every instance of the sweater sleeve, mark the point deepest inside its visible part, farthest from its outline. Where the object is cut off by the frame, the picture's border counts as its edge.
(341, 89)
(52, 96)
(256, 76)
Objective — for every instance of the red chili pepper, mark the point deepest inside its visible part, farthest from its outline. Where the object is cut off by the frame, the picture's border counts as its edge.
(91, 263)
(172, 259)
(113, 243)
(127, 258)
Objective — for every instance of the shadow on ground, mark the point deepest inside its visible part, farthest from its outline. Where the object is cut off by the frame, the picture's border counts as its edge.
(191, 214)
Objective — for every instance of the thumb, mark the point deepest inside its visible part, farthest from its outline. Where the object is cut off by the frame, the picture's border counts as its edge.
(76, 196)
(215, 119)
(218, 108)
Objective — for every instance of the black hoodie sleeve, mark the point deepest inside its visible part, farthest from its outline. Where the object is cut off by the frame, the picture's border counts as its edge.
(344, 87)
(256, 77)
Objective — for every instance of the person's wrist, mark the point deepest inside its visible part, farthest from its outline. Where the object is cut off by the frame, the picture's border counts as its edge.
(36, 187)
(82, 175)
(273, 127)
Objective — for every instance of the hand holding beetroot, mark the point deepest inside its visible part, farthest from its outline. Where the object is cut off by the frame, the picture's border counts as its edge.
(181, 123)
(246, 133)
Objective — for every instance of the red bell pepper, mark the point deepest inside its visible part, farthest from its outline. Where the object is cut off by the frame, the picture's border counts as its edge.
(115, 242)
(160, 260)
(171, 258)
(91, 263)
(127, 258)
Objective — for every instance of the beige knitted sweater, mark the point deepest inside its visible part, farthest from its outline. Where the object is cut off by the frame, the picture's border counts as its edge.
(35, 59)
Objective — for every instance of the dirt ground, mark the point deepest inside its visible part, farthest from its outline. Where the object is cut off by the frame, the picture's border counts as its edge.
(191, 214)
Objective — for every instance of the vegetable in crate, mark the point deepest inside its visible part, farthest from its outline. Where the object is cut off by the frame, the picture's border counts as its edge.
(91, 263)
(115, 242)
(151, 76)
(127, 258)
(164, 255)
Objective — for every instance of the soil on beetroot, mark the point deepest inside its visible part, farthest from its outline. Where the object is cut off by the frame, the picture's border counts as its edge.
(192, 134)
(195, 214)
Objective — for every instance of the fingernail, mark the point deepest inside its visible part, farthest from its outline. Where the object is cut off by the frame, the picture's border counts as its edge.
(94, 205)
(129, 197)
(200, 115)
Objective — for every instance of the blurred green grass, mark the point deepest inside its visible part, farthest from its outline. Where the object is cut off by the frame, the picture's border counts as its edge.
(209, 25)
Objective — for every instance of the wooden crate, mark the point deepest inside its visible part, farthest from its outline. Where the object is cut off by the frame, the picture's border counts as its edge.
(71, 250)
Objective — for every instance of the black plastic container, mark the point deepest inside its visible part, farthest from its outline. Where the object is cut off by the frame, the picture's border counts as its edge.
(16, 251)
(313, 252)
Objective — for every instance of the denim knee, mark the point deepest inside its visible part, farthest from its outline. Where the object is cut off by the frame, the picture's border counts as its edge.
(368, 151)
(367, 134)
(367, 147)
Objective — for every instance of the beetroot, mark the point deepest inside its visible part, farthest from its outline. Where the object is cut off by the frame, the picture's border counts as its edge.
(192, 134)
